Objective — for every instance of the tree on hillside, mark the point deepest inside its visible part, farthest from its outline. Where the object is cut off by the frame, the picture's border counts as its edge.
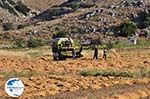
(126, 29)
(33, 43)
(142, 19)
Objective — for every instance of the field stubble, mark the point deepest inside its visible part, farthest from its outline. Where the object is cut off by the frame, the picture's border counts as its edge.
(45, 78)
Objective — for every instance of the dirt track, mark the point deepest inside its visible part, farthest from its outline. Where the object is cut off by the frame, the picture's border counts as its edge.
(62, 78)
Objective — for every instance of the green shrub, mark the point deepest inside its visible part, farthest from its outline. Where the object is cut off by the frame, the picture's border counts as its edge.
(142, 19)
(32, 43)
(126, 29)
(20, 43)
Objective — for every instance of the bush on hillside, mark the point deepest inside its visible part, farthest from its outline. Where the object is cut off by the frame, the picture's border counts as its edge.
(20, 43)
(126, 29)
(142, 20)
(33, 43)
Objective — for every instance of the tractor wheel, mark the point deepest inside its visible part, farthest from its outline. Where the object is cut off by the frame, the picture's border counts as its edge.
(61, 57)
(55, 56)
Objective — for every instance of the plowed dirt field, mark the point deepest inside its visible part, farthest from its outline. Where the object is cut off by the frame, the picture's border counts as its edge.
(47, 79)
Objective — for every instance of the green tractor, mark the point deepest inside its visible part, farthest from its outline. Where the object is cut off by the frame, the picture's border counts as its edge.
(65, 47)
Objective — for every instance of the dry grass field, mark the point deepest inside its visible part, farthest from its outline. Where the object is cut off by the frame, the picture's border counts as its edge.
(124, 75)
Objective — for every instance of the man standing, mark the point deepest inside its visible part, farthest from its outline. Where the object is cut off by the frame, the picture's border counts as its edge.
(105, 53)
(95, 52)
(74, 54)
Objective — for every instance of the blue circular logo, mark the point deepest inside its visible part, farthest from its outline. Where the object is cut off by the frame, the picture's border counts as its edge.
(14, 87)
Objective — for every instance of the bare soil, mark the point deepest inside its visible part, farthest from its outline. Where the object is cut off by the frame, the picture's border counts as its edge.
(62, 79)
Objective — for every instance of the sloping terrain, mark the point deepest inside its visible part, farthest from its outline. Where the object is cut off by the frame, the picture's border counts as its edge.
(75, 17)
(17, 9)
(41, 5)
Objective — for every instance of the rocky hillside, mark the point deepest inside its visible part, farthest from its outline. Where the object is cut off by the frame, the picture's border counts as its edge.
(11, 8)
(41, 5)
(79, 18)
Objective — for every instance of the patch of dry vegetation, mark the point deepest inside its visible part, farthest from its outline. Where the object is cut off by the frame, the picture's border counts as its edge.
(117, 73)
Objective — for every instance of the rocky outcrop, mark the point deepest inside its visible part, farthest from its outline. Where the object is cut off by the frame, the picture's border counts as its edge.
(17, 9)
(52, 13)
(7, 5)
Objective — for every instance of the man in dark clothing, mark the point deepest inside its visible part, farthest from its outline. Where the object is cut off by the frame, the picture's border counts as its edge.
(105, 53)
(95, 52)
(74, 54)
